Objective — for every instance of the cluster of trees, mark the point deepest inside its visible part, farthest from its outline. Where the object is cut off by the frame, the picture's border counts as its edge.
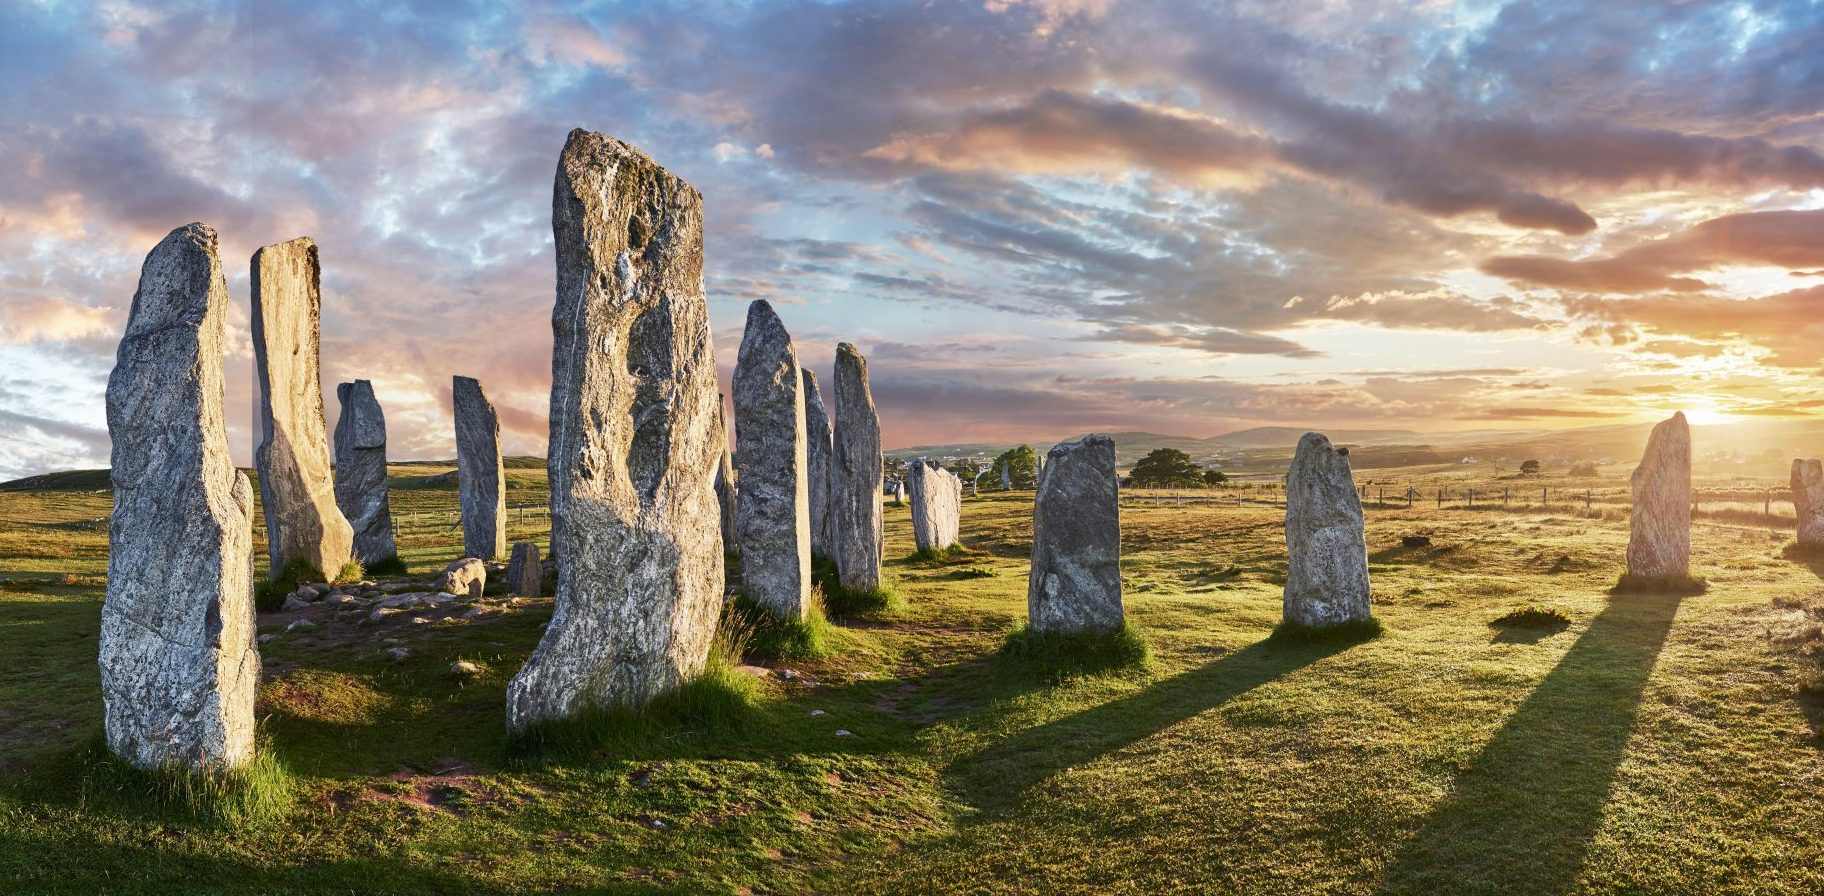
(1171, 468)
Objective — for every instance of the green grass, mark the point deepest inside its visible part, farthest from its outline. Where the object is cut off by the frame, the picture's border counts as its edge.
(1533, 616)
(388, 566)
(1354, 632)
(884, 602)
(949, 554)
(255, 796)
(1681, 585)
(269, 594)
(1056, 656)
(769, 638)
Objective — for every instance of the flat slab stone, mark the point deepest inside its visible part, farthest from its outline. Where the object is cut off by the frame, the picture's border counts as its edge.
(481, 475)
(1808, 500)
(772, 512)
(817, 453)
(1659, 528)
(1327, 550)
(1075, 583)
(937, 505)
(855, 476)
(361, 490)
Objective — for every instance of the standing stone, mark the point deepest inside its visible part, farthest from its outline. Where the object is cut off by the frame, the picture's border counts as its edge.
(525, 574)
(937, 505)
(179, 668)
(772, 511)
(1659, 536)
(1075, 584)
(1808, 501)
(361, 472)
(1006, 476)
(817, 455)
(1327, 562)
(480, 474)
(855, 476)
(297, 490)
(634, 442)
(898, 488)
(727, 495)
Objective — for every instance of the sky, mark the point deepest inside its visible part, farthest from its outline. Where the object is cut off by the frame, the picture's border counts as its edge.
(1036, 218)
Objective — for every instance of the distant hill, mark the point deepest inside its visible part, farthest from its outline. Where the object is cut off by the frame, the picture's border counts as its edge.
(1287, 437)
(65, 481)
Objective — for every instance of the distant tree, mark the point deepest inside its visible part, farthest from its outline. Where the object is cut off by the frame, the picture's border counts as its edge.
(1583, 468)
(1529, 468)
(1215, 477)
(1166, 468)
(1023, 466)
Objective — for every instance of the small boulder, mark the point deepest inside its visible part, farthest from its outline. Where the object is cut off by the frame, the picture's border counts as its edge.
(300, 623)
(464, 668)
(466, 576)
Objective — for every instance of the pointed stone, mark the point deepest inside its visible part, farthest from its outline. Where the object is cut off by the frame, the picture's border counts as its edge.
(297, 490)
(937, 505)
(772, 516)
(481, 477)
(1659, 528)
(525, 573)
(634, 440)
(179, 668)
(361, 489)
(727, 495)
(1075, 583)
(817, 449)
(1327, 550)
(1808, 500)
(855, 476)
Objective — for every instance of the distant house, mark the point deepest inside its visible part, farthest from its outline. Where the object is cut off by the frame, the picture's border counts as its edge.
(1469, 460)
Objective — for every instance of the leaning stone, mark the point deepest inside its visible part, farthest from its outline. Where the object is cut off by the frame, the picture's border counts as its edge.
(772, 511)
(525, 575)
(937, 505)
(466, 576)
(1075, 583)
(179, 668)
(634, 440)
(481, 477)
(361, 472)
(855, 476)
(1659, 536)
(1327, 552)
(297, 490)
(817, 450)
(1808, 501)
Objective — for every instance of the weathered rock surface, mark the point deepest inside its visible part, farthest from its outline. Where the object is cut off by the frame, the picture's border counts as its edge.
(525, 574)
(635, 439)
(361, 471)
(817, 450)
(1808, 500)
(1075, 583)
(1659, 528)
(1327, 562)
(937, 505)
(466, 576)
(855, 476)
(481, 476)
(297, 490)
(726, 491)
(179, 668)
(772, 510)
(898, 489)
(1006, 476)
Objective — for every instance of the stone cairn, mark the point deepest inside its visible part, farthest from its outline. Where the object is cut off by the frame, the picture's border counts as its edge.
(179, 668)
(772, 511)
(1327, 550)
(361, 472)
(1075, 583)
(855, 477)
(634, 440)
(1808, 501)
(525, 572)
(1659, 536)
(817, 451)
(297, 490)
(726, 491)
(480, 474)
(937, 505)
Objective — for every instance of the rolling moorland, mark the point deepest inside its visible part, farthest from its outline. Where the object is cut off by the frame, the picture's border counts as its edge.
(1644, 744)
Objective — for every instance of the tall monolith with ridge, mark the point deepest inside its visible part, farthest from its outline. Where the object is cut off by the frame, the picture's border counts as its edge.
(361, 472)
(179, 669)
(817, 450)
(481, 478)
(1075, 583)
(1659, 527)
(297, 489)
(1808, 500)
(1326, 546)
(855, 476)
(635, 439)
(937, 505)
(772, 511)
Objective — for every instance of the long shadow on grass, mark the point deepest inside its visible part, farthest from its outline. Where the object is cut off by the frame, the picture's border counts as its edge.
(995, 778)
(1520, 819)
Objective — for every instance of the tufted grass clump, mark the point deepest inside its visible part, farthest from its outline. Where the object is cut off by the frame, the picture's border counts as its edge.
(1679, 585)
(1533, 616)
(269, 594)
(797, 640)
(388, 566)
(251, 797)
(1289, 632)
(1058, 657)
(884, 602)
(954, 553)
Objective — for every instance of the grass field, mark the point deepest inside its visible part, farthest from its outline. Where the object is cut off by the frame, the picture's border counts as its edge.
(1654, 744)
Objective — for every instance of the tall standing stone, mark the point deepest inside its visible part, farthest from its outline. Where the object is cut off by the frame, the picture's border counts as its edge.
(635, 438)
(361, 471)
(179, 668)
(937, 505)
(480, 474)
(1006, 476)
(727, 493)
(772, 515)
(1075, 583)
(297, 490)
(817, 455)
(1808, 501)
(1327, 562)
(1659, 536)
(855, 476)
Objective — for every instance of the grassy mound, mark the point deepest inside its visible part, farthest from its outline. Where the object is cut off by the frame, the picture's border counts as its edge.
(1288, 632)
(1533, 616)
(1057, 657)
(796, 640)
(884, 602)
(1683, 585)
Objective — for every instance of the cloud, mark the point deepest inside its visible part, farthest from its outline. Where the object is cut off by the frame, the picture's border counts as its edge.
(1787, 326)
(1792, 239)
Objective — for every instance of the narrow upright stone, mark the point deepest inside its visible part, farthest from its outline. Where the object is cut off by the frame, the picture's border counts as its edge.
(297, 490)
(480, 475)
(1659, 528)
(634, 440)
(727, 495)
(1327, 550)
(1808, 501)
(817, 454)
(1075, 583)
(855, 476)
(937, 505)
(1006, 476)
(898, 488)
(361, 472)
(525, 573)
(772, 511)
(179, 668)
